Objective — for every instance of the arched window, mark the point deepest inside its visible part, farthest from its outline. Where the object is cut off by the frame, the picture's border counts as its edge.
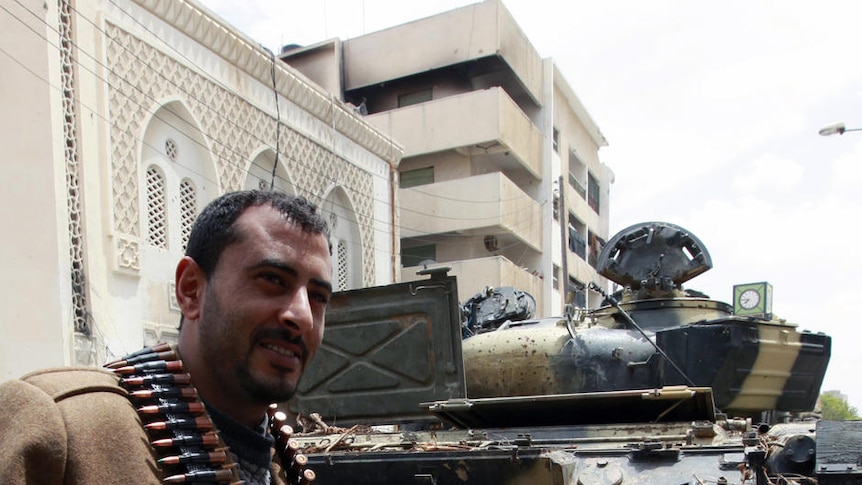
(260, 174)
(157, 208)
(178, 178)
(346, 240)
(341, 265)
(188, 209)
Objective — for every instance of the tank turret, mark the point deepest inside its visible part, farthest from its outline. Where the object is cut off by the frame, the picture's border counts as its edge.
(651, 333)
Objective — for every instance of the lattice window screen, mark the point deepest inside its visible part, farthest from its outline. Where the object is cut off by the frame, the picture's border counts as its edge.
(342, 260)
(157, 209)
(188, 209)
(171, 149)
(73, 189)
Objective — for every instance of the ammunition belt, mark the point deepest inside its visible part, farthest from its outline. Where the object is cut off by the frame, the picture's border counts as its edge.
(180, 430)
(292, 460)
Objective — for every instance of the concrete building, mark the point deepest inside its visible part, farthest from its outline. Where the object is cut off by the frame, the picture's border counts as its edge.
(494, 138)
(120, 120)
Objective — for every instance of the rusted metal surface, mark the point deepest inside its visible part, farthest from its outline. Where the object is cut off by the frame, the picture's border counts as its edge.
(386, 350)
(643, 453)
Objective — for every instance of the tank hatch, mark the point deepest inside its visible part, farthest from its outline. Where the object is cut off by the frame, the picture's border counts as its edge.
(653, 255)
(386, 349)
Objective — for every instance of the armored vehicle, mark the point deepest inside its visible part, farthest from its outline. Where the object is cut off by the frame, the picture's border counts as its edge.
(659, 385)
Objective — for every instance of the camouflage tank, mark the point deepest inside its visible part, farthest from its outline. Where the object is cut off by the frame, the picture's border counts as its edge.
(659, 385)
(654, 333)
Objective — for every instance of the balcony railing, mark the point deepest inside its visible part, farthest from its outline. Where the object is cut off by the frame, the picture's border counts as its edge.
(484, 123)
(484, 204)
(475, 274)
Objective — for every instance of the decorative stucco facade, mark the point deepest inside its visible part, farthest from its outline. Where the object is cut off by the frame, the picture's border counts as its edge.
(125, 117)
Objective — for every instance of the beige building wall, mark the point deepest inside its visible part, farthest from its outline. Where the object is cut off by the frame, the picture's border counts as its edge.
(34, 255)
(320, 62)
(476, 272)
(466, 34)
(486, 124)
(478, 122)
(145, 112)
(576, 150)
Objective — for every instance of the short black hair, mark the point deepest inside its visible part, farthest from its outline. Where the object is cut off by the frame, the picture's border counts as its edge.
(214, 228)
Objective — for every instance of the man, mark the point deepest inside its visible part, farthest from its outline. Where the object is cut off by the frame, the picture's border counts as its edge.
(252, 288)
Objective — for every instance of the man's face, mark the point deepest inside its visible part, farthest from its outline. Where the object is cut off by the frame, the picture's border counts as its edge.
(262, 313)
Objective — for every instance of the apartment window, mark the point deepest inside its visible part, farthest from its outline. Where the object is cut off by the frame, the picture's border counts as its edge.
(417, 255)
(577, 240)
(556, 206)
(556, 140)
(420, 176)
(576, 293)
(555, 281)
(415, 97)
(577, 169)
(597, 244)
(593, 192)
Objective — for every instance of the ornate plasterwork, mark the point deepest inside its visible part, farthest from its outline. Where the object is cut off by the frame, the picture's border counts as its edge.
(127, 254)
(158, 332)
(139, 76)
(77, 250)
(255, 61)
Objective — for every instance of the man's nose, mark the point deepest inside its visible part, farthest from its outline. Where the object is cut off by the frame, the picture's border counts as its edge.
(297, 312)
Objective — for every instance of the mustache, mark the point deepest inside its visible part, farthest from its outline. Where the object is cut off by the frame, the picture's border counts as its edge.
(283, 335)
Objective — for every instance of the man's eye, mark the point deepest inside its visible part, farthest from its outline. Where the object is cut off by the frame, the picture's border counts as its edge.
(320, 298)
(273, 278)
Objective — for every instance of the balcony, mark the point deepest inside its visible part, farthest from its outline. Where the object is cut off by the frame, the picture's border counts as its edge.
(482, 31)
(475, 274)
(479, 205)
(484, 123)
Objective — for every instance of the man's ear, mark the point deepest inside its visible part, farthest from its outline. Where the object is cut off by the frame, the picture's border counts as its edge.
(190, 287)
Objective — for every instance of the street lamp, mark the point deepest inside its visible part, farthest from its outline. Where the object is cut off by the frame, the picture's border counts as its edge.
(836, 129)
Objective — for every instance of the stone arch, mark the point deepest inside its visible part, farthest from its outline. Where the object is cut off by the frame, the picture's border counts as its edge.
(174, 147)
(346, 239)
(259, 173)
(174, 142)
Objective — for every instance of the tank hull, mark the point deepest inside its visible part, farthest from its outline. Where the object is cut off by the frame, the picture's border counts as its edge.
(547, 403)
(671, 453)
(751, 365)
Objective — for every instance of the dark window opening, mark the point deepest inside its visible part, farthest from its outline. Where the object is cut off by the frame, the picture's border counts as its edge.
(577, 169)
(420, 176)
(596, 246)
(415, 97)
(577, 237)
(576, 293)
(419, 255)
(593, 192)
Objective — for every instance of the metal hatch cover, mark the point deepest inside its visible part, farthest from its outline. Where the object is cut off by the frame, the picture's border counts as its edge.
(385, 350)
(674, 403)
(651, 253)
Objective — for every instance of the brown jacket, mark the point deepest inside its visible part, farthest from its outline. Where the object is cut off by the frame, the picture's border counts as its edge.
(75, 426)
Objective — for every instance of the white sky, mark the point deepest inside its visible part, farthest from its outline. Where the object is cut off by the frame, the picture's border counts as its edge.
(711, 111)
